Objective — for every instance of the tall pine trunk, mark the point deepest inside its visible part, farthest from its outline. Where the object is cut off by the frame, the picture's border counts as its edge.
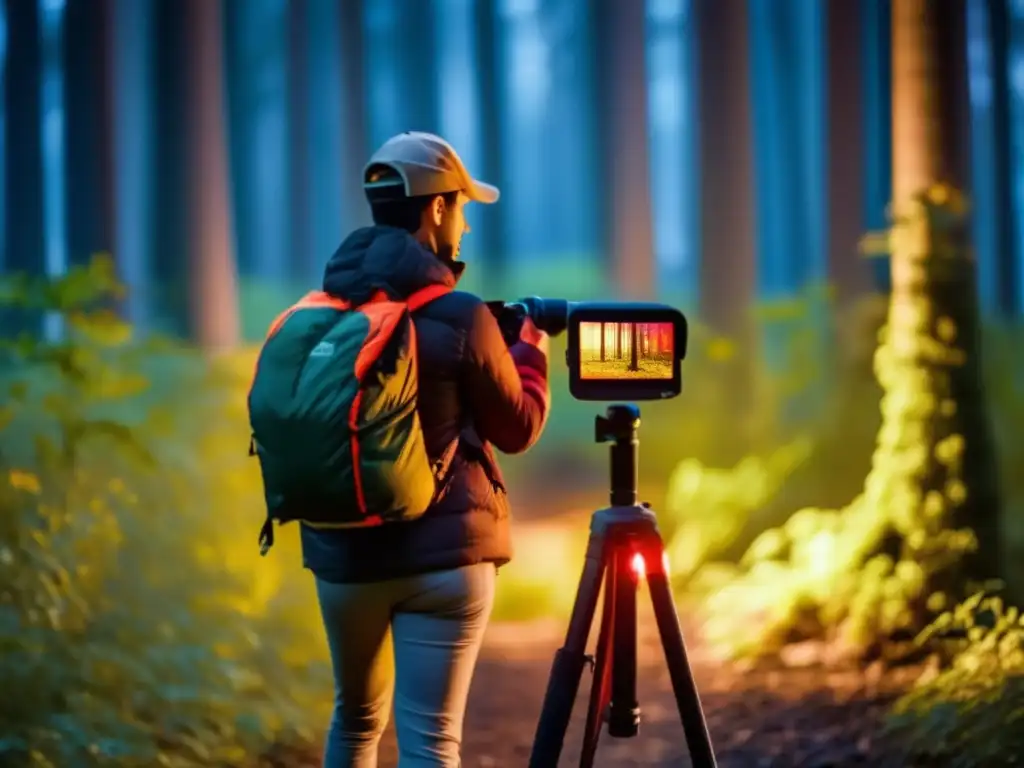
(490, 54)
(728, 262)
(848, 271)
(354, 123)
(633, 363)
(23, 231)
(934, 465)
(302, 261)
(213, 282)
(89, 202)
(1007, 227)
(621, 43)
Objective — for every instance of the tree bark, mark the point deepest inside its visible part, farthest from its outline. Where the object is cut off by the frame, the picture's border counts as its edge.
(354, 120)
(88, 33)
(935, 451)
(301, 263)
(489, 55)
(213, 283)
(131, 126)
(1007, 259)
(621, 43)
(23, 168)
(849, 272)
(728, 261)
(22, 226)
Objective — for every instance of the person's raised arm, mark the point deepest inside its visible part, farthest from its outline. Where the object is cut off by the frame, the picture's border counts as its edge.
(507, 386)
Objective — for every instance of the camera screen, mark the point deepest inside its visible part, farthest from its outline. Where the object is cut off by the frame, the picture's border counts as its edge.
(610, 351)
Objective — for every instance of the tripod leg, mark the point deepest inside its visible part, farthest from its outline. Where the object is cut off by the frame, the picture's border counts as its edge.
(601, 689)
(567, 669)
(624, 711)
(698, 740)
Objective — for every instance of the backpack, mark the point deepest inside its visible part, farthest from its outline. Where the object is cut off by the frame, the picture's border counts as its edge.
(332, 409)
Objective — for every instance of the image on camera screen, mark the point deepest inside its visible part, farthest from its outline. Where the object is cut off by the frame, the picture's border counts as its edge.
(626, 350)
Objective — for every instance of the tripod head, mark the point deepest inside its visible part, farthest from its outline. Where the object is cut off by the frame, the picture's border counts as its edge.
(619, 426)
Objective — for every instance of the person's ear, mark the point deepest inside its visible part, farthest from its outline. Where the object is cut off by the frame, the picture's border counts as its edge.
(437, 210)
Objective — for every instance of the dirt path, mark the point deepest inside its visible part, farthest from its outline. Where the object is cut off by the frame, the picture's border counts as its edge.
(807, 718)
(799, 718)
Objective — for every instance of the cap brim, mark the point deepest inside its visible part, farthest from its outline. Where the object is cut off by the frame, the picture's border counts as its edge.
(481, 192)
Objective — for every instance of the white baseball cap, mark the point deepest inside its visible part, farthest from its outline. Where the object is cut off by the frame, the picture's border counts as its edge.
(427, 165)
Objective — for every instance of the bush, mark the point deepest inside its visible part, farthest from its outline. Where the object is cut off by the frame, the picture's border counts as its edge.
(839, 573)
(138, 625)
(971, 713)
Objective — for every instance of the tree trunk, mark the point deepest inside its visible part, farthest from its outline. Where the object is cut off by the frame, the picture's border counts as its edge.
(1008, 266)
(301, 262)
(620, 39)
(934, 465)
(728, 264)
(213, 282)
(490, 54)
(418, 62)
(88, 33)
(355, 124)
(849, 272)
(22, 230)
(633, 364)
(131, 70)
(23, 169)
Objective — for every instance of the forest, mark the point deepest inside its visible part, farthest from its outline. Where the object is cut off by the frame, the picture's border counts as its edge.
(830, 192)
(626, 350)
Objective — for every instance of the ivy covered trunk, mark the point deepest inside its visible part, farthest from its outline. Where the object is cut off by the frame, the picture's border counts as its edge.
(934, 466)
(927, 522)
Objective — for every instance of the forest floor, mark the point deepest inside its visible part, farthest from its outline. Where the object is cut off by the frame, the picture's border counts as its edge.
(799, 716)
(777, 718)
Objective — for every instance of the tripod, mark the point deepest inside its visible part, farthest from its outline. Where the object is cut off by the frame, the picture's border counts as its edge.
(624, 544)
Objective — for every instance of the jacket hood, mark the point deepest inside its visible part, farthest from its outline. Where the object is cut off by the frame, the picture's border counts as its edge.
(385, 259)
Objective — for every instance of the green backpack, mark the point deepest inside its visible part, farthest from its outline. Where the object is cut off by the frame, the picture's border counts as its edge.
(332, 409)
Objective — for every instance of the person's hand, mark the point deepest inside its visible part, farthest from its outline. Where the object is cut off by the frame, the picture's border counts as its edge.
(534, 336)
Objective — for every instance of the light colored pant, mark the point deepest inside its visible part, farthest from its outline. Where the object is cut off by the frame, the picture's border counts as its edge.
(415, 640)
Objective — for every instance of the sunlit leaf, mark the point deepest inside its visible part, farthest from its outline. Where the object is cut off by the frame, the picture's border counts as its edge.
(22, 480)
(121, 433)
(102, 327)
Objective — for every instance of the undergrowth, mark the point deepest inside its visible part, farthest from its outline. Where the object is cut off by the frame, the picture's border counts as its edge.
(136, 627)
(140, 627)
(969, 712)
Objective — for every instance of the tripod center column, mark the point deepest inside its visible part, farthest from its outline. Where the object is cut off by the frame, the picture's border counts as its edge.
(624, 463)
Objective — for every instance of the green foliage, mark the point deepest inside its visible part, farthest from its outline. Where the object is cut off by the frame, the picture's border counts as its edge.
(139, 626)
(136, 628)
(971, 711)
(710, 507)
(862, 574)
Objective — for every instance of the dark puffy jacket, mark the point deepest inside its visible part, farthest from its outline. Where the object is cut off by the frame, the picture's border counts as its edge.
(474, 392)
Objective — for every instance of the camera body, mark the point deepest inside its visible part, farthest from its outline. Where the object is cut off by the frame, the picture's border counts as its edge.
(615, 350)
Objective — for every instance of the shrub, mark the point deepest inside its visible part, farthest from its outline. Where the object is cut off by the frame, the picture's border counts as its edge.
(837, 572)
(971, 713)
(136, 624)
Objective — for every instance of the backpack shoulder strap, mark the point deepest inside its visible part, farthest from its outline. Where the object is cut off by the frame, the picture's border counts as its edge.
(311, 299)
(424, 296)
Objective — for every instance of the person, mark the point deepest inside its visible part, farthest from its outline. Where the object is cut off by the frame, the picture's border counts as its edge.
(405, 605)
